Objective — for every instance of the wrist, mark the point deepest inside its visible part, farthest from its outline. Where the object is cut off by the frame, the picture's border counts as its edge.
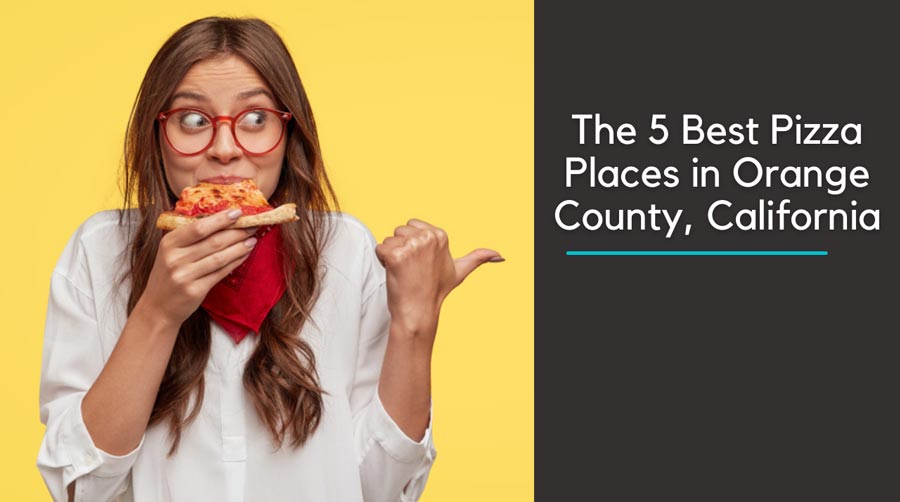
(412, 338)
(415, 320)
(418, 326)
(153, 319)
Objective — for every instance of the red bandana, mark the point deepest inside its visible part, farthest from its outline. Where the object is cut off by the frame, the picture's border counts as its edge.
(240, 301)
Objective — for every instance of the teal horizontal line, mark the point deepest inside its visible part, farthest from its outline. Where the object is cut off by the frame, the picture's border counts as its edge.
(697, 253)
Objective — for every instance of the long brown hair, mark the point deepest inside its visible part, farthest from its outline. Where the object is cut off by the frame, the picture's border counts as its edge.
(280, 376)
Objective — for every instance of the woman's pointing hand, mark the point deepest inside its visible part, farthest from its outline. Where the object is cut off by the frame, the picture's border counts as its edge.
(421, 273)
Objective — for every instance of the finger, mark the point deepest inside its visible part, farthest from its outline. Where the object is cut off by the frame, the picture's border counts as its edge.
(417, 223)
(380, 253)
(210, 280)
(389, 253)
(426, 231)
(202, 228)
(466, 264)
(220, 259)
(216, 242)
(394, 240)
(405, 231)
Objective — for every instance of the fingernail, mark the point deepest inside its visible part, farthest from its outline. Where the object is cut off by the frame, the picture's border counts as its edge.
(234, 214)
(251, 230)
(497, 259)
(250, 242)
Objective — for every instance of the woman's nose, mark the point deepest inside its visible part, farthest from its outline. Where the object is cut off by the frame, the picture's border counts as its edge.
(224, 149)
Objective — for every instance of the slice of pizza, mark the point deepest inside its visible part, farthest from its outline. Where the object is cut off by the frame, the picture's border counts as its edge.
(205, 199)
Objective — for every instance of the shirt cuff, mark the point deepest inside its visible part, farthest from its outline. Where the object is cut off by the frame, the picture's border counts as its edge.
(84, 454)
(394, 441)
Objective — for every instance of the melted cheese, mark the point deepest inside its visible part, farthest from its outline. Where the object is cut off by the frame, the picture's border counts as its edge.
(210, 198)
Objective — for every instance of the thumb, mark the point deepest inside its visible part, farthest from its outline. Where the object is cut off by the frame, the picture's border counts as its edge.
(466, 264)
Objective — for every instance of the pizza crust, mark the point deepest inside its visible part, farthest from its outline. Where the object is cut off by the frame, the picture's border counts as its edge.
(170, 220)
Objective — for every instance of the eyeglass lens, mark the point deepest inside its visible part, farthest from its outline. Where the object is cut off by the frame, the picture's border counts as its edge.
(257, 131)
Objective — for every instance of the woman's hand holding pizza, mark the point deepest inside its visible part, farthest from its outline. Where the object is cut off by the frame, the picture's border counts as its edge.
(421, 273)
(191, 259)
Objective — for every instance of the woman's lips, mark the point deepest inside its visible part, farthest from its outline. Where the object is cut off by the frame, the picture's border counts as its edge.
(224, 180)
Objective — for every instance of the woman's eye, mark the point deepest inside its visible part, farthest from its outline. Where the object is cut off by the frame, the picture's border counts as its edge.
(193, 120)
(253, 119)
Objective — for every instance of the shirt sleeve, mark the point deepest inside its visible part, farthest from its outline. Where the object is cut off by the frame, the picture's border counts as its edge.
(72, 360)
(393, 467)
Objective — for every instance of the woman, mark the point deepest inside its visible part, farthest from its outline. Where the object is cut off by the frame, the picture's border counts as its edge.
(146, 399)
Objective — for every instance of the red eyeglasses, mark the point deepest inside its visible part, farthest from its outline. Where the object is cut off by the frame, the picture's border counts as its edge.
(256, 131)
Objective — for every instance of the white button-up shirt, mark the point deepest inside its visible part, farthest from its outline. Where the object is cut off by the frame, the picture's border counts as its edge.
(356, 454)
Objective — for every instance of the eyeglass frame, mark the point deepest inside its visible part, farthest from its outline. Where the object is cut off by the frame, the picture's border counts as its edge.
(163, 117)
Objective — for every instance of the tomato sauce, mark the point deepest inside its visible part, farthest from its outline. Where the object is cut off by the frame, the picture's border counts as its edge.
(205, 208)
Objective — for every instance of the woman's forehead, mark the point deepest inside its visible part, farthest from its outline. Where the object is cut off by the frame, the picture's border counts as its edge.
(228, 77)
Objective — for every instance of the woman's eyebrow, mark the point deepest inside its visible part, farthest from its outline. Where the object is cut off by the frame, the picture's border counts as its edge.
(256, 92)
(189, 95)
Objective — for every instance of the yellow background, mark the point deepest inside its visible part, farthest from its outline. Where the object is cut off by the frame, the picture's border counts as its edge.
(424, 110)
